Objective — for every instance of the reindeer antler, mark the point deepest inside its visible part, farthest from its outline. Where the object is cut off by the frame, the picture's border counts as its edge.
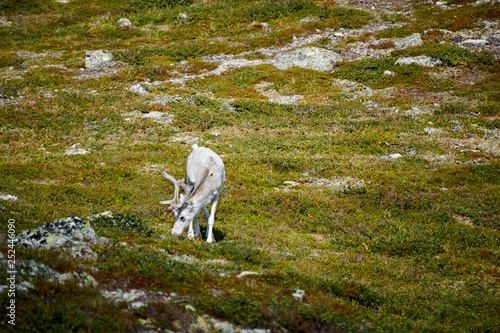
(176, 203)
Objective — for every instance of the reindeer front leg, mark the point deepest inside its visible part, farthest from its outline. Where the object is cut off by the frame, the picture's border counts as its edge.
(194, 229)
(211, 220)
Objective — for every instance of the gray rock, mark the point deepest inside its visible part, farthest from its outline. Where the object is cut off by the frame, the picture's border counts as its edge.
(4, 22)
(93, 217)
(475, 42)
(138, 88)
(432, 131)
(77, 151)
(298, 295)
(136, 298)
(182, 17)
(9, 197)
(392, 157)
(494, 40)
(483, 2)
(82, 252)
(32, 269)
(286, 100)
(164, 100)
(161, 117)
(423, 60)
(24, 286)
(57, 233)
(309, 57)
(125, 23)
(245, 273)
(410, 41)
(389, 73)
(309, 19)
(99, 59)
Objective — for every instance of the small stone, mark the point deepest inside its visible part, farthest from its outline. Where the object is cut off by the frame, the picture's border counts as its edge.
(182, 17)
(125, 23)
(392, 157)
(389, 73)
(299, 294)
(138, 88)
(425, 61)
(286, 100)
(483, 2)
(464, 220)
(309, 19)
(164, 100)
(158, 116)
(136, 305)
(8, 197)
(245, 273)
(106, 214)
(102, 241)
(82, 252)
(432, 131)
(309, 57)
(410, 41)
(76, 152)
(190, 307)
(98, 59)
(475, 42)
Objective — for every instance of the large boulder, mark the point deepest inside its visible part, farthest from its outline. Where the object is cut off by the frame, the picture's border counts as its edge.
(58, 233)
(309, 57)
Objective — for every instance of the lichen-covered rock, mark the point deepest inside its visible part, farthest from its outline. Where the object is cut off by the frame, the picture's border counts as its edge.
(423, 60)
(57, 233)
(309, 57)
(410, 41)
(99, 59)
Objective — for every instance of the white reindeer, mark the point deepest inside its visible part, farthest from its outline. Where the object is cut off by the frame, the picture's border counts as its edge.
(205, 176)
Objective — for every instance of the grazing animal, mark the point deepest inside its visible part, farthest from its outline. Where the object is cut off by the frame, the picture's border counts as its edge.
(205, 176)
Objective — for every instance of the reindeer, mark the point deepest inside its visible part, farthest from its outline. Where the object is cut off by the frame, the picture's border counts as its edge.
(205, 176)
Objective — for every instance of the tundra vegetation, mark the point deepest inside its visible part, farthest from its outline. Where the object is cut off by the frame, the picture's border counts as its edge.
(376, 192)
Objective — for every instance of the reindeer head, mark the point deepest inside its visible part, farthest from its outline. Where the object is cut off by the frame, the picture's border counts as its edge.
(182, 207)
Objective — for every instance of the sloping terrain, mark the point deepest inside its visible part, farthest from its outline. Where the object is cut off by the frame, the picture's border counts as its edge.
(361, 142)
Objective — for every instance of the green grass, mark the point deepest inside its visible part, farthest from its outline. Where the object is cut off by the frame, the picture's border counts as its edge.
(413, 248)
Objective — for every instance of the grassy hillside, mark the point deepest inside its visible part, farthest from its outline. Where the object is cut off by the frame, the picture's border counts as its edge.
(315, 197)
